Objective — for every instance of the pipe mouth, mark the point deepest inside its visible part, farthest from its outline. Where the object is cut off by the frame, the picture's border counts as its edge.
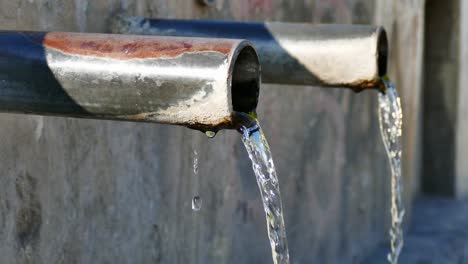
(245, 82)
(382, 51)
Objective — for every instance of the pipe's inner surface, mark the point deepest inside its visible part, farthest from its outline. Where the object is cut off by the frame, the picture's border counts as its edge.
(245, 81)
(382, 49)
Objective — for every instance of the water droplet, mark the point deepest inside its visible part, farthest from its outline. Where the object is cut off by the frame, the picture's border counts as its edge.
(195, 163)
(210, 134)
(196, 203)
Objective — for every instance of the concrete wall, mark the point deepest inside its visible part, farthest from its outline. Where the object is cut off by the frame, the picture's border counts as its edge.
(85, 191)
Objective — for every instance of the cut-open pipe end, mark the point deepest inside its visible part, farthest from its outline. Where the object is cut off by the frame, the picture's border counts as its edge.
(243, 88)
(382, 51)
(193, 82)
(379, 59)
(352, 56)
(382, 57)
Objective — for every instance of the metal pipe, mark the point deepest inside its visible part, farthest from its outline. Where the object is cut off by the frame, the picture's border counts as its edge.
(198, 83)
(353, 56)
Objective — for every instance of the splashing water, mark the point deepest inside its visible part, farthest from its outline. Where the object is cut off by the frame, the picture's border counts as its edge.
(391, 119)
(262, 163)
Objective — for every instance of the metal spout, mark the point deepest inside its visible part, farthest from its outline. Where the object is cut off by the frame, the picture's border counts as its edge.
(352, 56)
(198, 83)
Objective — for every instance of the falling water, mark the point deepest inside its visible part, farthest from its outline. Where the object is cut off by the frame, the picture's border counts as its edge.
(196, 200)
(196, 203)
(195, 163)
(262, 163)
(391, 118)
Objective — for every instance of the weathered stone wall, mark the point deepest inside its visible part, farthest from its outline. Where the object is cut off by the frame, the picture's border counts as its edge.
(85, 191)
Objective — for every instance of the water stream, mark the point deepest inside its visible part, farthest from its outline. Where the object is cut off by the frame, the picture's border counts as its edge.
(391, 119)
(262, 163)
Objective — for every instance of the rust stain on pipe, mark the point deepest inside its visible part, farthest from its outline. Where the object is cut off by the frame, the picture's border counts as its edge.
(362, 85)
(195, 82)
(131, 47)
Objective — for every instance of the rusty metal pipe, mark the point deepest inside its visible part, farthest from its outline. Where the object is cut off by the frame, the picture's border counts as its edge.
(321, 55)
(198, 83)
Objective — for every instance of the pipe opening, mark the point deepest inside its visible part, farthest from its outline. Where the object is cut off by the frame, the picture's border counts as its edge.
(382, 49)
(245, 81)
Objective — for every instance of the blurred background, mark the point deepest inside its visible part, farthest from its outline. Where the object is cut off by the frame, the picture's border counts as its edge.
(85, 191)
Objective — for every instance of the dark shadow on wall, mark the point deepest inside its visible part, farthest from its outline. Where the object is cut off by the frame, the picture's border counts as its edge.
(440, 93)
